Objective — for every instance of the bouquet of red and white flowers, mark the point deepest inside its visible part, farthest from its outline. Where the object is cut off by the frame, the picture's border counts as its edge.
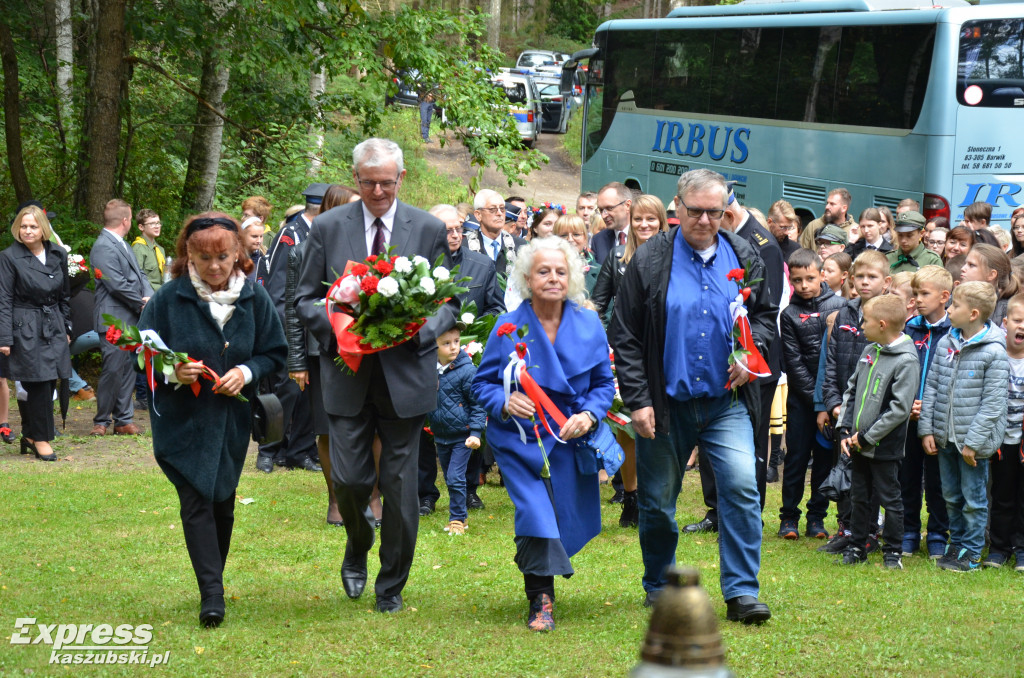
(383, 301)
(76, 265)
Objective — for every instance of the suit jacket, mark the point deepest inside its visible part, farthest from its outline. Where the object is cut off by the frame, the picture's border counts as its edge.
(120, 283)
(410, 369)
(602, 243)
(765, 244)
(483, 283)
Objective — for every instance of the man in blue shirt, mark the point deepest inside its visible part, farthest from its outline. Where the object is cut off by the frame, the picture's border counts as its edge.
(672, 335)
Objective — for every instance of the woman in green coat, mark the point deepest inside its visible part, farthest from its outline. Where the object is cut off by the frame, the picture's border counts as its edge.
(211, 312)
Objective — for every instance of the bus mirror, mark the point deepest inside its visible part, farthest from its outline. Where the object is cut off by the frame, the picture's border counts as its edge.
(569, 69)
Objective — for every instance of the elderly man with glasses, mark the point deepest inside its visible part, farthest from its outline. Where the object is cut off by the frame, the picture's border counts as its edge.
(491, 240)
(671, 332)
(390, 393)
(613, 203)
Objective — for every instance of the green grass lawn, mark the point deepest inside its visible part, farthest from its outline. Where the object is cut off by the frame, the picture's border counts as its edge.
(91, 545)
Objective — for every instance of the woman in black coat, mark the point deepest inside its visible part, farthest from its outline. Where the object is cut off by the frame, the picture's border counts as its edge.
(211, 312)
(35, 324)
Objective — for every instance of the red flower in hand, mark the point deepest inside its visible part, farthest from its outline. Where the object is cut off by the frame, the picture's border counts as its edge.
(383, 267)
(735, 274)
(359, 269)
(369, 284)
(506, 329)
(746, 293)
(521, 350)
(113, 334)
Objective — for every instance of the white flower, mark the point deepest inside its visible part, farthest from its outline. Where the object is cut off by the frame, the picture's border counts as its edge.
(467, 318)
(388, 287)
(441, 274)
(428, 285)
(403, 265)
(419, 261)
(474, 347)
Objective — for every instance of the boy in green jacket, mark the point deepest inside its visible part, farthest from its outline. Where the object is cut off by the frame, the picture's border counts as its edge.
(150, 255)
(873, 426)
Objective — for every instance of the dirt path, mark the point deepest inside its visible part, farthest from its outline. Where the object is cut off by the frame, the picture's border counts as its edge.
(556, 182)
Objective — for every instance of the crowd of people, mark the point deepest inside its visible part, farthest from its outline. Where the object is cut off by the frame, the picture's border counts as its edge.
(892, 347)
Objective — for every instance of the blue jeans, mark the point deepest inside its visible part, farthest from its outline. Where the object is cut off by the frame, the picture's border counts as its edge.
(426, 113)
(454, 459)
(86, 342)
(723, 428)
(964, 489)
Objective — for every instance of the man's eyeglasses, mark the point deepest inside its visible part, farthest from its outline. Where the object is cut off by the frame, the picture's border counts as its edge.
(607, 210)
(696, 212)
(493, 210)
(368, 185)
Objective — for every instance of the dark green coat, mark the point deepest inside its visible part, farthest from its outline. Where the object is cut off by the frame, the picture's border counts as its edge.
(201, 441)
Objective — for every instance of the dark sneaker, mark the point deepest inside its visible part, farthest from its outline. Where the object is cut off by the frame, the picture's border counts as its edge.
(853, 556)
(771, 475)
(1019, 555)
(872, 544)
(950, 555)
(910, 546)
(995, 559)
(936, 550)
(837, 544)
(892, 561)
(616, 498)
(964, 562)
(474, 502)
(788, 530)
(816, 530)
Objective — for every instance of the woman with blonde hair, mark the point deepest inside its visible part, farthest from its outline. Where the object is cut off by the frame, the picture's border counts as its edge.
(573, 228)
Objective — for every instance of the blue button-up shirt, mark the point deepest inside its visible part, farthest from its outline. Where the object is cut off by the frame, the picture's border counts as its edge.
(698, 333)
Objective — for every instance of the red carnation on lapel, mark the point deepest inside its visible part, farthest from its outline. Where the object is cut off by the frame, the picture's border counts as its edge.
(506, 329)
(99, 273)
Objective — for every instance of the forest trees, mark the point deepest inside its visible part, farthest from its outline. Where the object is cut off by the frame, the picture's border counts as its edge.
(183, 105)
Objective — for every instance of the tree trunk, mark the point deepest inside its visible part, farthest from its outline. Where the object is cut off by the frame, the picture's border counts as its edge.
(102, 127)
(12, 116)
(316, 90)
(494, 25)
(204, 156)
(65, 62)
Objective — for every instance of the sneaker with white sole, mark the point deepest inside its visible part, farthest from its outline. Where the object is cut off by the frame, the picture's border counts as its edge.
(995, 559)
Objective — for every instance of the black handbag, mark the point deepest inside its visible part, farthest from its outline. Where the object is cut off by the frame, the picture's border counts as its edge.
(598, 449)
(267, 419)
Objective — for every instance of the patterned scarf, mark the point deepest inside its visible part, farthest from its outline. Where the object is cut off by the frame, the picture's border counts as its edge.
(222, 303)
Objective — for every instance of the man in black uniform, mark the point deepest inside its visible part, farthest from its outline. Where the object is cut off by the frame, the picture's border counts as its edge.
(297, 449)
(741, 222)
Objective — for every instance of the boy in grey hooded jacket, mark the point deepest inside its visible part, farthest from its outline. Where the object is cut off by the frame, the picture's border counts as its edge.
(963, 418)
(873, 426)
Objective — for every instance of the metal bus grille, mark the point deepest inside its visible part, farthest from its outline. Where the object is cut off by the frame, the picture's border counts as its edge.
(803, 193)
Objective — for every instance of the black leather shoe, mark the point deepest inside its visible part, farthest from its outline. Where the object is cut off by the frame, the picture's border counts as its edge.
(703, 526)
(426, 507)
(389, 603)
(651, 598)
(771, 475)
(747, 609)
(264, 463)
(473, 501)
(353, 573)
(308, 464)
(211, 612)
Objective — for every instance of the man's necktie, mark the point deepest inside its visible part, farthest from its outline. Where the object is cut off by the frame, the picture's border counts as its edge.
(494, 248)
(622, 238)
(378, 237)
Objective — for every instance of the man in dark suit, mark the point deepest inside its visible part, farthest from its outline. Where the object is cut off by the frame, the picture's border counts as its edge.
(741, 222)
(613, 204)
(121, 291)
(392, 391)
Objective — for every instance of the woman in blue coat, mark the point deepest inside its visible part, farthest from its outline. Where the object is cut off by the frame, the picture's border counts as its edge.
(568, 357)
(211, 312)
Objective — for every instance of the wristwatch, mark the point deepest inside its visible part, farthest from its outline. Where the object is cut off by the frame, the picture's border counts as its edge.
(593, 418)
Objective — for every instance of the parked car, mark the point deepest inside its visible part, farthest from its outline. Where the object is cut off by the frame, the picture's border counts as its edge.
(405, 82)
(524, 104)
(555, 110)
(542, 60)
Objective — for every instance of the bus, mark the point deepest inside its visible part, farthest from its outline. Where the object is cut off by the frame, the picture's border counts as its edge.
(890, 99)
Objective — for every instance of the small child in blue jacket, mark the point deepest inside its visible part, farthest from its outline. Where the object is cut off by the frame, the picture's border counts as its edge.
(456, 423)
